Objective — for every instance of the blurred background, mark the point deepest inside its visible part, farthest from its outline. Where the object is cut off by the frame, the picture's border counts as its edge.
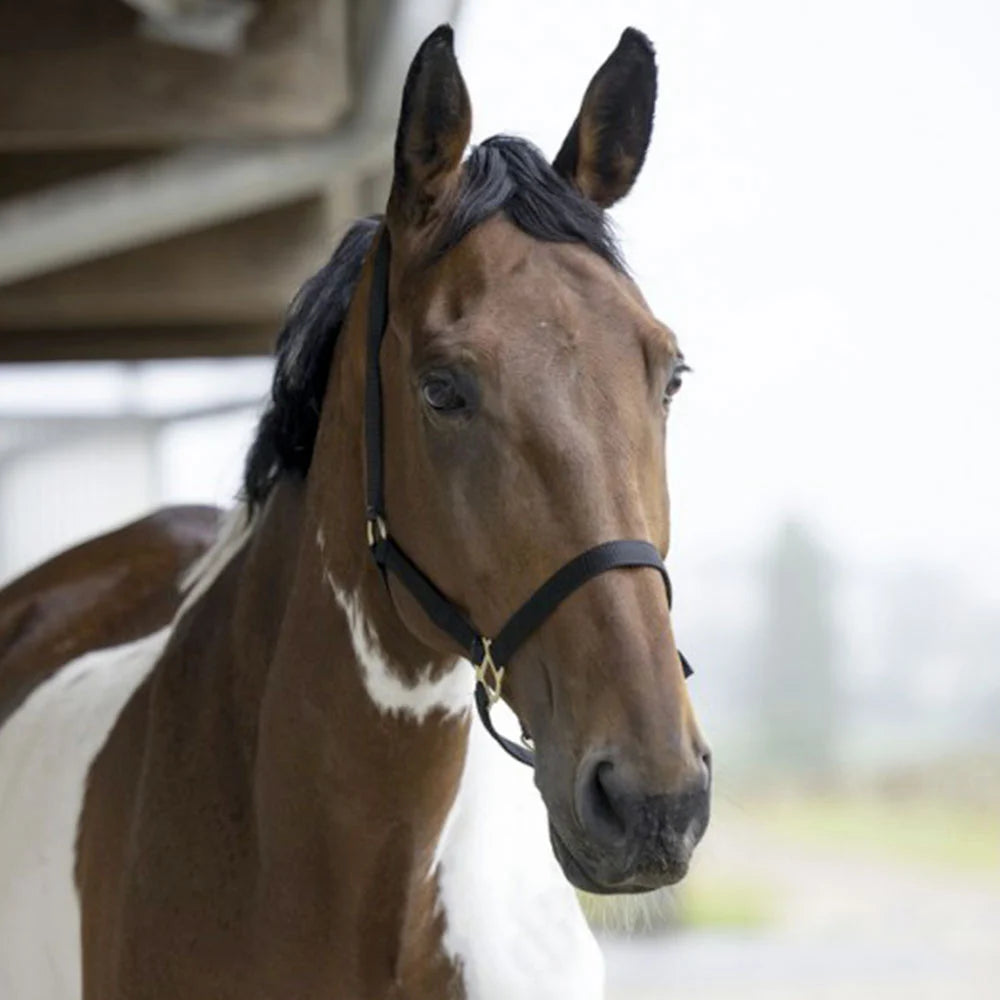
(818, 219)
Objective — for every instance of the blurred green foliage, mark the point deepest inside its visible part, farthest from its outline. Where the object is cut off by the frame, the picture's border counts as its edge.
(925, 832)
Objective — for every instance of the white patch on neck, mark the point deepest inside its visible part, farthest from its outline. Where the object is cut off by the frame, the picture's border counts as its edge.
(450, 692)
(512, 921)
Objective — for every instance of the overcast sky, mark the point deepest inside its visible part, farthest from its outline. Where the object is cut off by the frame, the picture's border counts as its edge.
(818, 219)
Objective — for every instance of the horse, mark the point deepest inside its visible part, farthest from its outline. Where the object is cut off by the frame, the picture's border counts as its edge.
(279, 788)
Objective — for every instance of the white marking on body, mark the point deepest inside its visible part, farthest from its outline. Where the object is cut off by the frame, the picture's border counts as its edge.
(46, 749)
(512, 921)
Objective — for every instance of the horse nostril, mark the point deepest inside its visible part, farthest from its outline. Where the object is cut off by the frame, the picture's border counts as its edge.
(706, 763)
(600, 803)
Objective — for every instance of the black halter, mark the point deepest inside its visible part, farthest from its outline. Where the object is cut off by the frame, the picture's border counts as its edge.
(489, 656)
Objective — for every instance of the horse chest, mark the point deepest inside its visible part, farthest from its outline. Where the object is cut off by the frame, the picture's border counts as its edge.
(512, 922)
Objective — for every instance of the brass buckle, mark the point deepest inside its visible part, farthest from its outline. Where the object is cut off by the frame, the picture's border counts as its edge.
(488, 673)
(375, 530)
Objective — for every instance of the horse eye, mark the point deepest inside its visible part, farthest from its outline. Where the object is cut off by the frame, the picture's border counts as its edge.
(440, 392)
(676, 381)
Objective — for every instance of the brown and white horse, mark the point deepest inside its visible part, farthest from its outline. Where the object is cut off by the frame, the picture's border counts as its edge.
(280, 791)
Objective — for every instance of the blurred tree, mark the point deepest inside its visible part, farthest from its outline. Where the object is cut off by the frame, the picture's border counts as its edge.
(797, 683)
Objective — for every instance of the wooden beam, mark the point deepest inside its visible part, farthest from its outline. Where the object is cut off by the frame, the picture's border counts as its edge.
(136, 343)
(137, 204)
(240, 272)
(79, 73)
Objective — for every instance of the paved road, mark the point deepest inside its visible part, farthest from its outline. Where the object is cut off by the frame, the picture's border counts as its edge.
(849, 928)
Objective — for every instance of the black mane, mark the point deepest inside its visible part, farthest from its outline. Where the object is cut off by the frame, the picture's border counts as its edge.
(287, 430)
(503, 174)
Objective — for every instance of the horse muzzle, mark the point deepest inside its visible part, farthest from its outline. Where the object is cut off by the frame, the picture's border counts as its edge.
(625, 840)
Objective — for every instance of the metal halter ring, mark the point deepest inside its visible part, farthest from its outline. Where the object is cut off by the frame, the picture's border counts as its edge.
(488, 673)
(375, 530)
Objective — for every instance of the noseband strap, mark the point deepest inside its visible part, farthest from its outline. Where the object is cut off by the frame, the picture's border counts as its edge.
(488, 656)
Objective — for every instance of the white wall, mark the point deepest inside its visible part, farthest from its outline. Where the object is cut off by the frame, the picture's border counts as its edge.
(56, 495)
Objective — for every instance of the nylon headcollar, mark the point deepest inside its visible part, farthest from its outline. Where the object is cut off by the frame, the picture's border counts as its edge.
(489, 657)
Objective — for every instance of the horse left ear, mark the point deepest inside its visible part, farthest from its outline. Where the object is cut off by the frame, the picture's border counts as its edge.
(605, 149)
(434, 125)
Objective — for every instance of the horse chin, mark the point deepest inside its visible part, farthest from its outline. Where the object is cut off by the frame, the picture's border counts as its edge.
(581, 877)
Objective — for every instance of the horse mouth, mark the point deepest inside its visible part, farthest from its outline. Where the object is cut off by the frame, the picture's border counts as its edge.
(581, 876)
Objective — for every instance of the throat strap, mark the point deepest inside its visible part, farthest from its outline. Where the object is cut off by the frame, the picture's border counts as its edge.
(490, 657)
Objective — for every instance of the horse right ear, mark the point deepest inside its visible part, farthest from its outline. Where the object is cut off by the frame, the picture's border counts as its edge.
(434, 126)
(606, 146)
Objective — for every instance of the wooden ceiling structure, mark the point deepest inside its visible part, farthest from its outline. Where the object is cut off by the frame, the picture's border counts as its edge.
(172, 170)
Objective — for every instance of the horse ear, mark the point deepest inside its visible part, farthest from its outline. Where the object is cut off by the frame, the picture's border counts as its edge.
(434, 125)
(605, 149)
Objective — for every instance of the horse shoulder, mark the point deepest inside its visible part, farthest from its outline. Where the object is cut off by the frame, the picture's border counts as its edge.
(107, 591)
(78, 636)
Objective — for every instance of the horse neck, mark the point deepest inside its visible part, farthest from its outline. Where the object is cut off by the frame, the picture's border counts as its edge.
(351, 796)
